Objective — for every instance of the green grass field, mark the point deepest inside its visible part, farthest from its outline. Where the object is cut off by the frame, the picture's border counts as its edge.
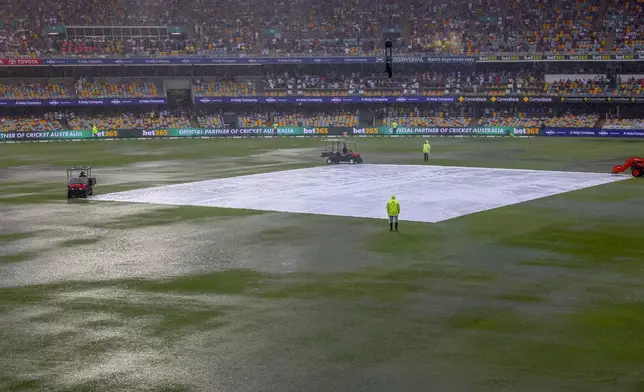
(540, 296)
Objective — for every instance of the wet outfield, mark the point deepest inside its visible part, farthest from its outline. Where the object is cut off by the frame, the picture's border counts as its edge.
(107, 296)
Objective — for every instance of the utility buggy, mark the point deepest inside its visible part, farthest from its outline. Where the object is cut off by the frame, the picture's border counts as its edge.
(341, 150)
(80, 182)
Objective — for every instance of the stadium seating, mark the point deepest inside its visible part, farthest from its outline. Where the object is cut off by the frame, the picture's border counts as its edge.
(565, 121)
(210, 121)
(128, 120)
(624, 19)
(338, 119)
(577, 87)
(29, 124)
(110, 89)
(624, 123)
(253, 120)
(223, 88)
(427, 121)
(34, 90)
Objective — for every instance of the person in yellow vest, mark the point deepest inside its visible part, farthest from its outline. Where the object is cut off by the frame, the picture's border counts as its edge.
(394, 127)
(426, 149)
(94, 130)
(393, 210)
(274, 129)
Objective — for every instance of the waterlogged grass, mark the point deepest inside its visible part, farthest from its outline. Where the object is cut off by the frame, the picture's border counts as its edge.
(540, 295)
(489, 320)
(16, 258)
(182, 214)
(125, 152)
(10, 237)
(598, 244)
(595, 347)
(79, 242)
(233, 281)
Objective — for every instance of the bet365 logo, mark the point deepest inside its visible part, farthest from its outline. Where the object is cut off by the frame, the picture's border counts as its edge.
(525, 131)
(107, 134)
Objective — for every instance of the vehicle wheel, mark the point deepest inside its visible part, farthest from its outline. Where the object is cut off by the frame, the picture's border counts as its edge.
(636, 172)
(69, 194)
(359, 160)
(329, 161)
(352, 161)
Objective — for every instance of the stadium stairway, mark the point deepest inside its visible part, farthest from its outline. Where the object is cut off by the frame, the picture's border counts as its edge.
(610, 39)
(601, 14)
(600, 123)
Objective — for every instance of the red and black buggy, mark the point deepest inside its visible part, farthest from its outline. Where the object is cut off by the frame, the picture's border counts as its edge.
(341, 150)
(80, 182)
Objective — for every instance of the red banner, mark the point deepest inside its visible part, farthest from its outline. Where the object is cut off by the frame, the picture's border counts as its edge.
(20, 62)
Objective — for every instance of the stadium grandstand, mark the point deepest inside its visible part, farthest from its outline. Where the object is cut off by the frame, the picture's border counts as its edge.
(353, 27)
(498, 65)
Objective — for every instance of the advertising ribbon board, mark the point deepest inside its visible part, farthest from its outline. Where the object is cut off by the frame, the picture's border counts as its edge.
(593, 132)
(49, 135)
(250, 60)
(486, 131)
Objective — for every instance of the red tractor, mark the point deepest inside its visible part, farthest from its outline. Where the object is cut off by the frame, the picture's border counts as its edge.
(636, 164)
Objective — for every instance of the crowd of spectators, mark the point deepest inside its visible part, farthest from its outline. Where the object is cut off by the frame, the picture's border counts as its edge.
(624, 19)
(425, 83)
(597, 85)
(342, 27)
(501, 83)
(583, 86)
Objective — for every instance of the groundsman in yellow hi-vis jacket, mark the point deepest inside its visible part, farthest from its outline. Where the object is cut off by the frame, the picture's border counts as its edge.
(426, 149)
(393, 210)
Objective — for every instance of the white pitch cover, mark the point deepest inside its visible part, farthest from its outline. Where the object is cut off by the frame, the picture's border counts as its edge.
(426, 193)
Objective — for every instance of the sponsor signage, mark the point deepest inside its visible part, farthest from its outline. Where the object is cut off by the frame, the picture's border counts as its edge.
(520, 131)
(20, 62)
(84, 102)
(592, 132)
(416, 99)
(320, 131)
(52, 135)
(411, 59)
(213, 132)
(324, 100)
(499, 131)
(558, 57)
